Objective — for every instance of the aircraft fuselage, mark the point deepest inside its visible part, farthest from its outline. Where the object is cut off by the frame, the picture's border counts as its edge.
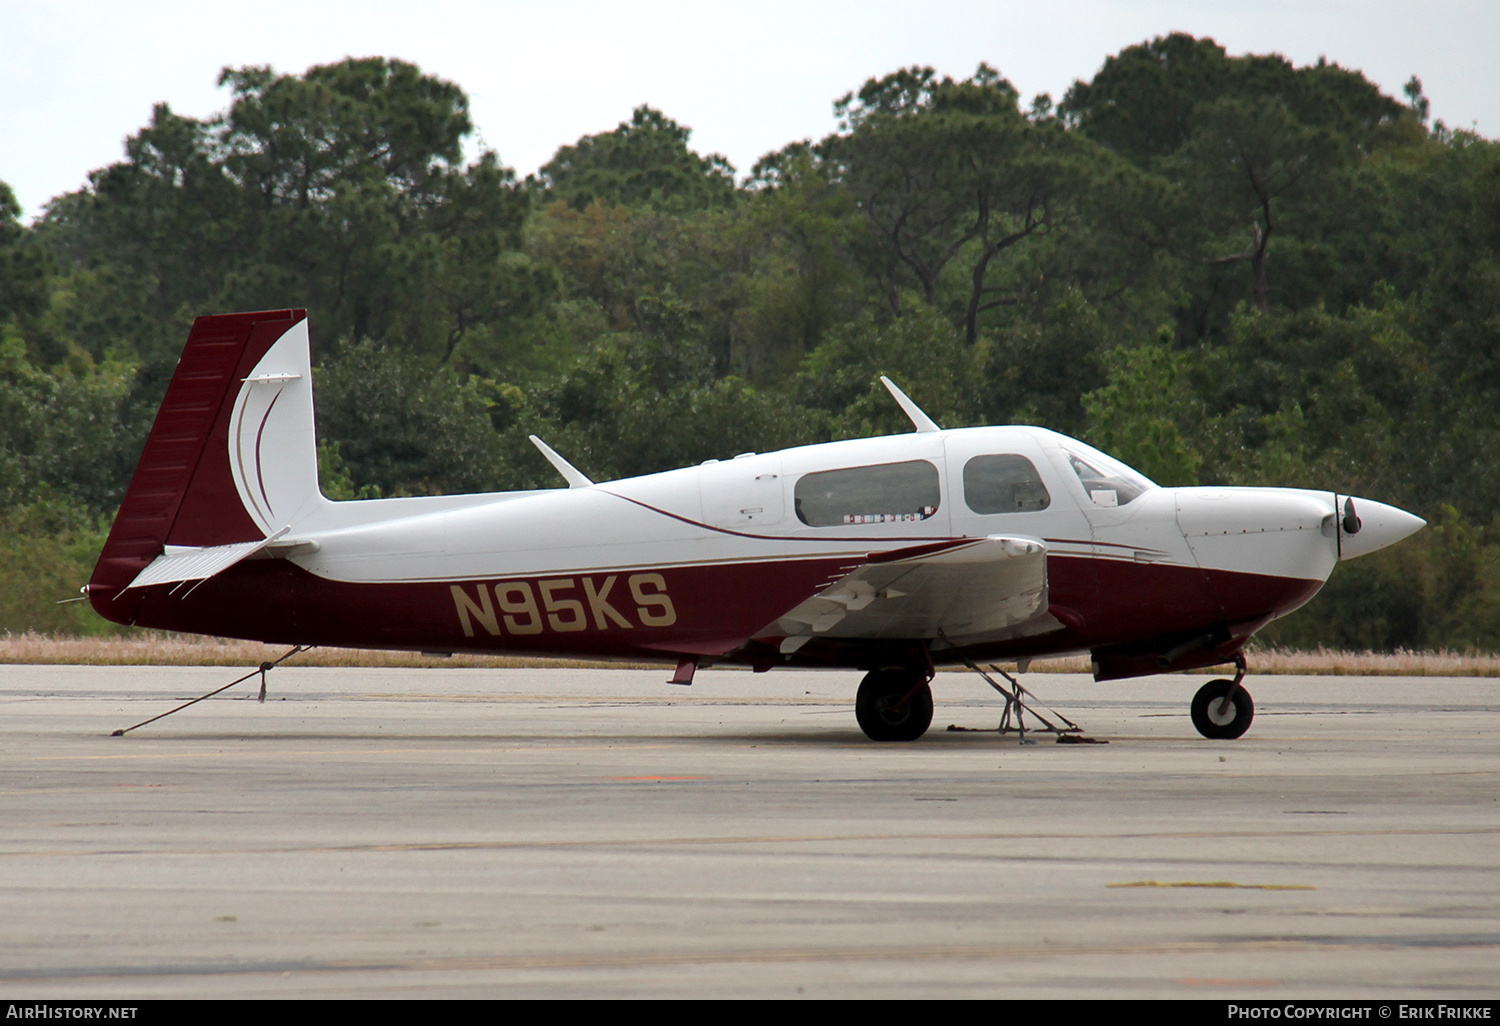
(701, 561)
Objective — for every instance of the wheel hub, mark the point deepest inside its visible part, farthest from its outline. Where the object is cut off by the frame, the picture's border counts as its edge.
(1221, 711)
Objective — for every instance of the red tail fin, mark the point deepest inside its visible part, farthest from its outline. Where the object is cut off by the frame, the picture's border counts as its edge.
(183, 491)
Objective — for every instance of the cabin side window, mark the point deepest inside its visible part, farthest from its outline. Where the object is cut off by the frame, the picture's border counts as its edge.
(888, 493)
(1004, 483)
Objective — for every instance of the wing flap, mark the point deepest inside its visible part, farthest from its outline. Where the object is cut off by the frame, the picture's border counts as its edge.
(983, 586)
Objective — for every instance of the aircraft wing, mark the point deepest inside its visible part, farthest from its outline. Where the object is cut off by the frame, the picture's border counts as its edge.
(950, 589)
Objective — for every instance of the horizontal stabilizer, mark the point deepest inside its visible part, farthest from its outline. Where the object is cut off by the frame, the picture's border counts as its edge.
(196, 563)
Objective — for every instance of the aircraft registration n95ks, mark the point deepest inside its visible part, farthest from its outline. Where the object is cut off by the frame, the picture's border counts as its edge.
(890, 555)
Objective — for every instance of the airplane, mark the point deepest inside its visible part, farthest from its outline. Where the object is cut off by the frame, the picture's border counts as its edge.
(890, 555)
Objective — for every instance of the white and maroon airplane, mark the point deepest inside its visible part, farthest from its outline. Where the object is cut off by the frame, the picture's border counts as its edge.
(890, 555)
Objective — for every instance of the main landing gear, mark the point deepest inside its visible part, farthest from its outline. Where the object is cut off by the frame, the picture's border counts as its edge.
(894, 705)
(1222, 709)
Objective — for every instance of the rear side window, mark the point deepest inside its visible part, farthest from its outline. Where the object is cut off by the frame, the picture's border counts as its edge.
(1004, 484)
(884, 494)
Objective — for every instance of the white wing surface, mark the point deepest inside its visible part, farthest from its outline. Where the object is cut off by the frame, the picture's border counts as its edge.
(977, 587)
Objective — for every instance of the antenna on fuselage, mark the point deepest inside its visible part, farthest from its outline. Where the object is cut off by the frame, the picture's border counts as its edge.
(919, 420)
(570, 473)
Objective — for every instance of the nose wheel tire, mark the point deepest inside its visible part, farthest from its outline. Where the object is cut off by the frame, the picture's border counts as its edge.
(893, 705)
(1222, 710)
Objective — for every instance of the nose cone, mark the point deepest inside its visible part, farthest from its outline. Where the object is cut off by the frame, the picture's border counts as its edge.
(1375, 525)
(1267, 532)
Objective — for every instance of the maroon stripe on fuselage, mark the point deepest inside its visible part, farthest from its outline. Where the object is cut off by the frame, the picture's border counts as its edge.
(707, 610)
(598, 613)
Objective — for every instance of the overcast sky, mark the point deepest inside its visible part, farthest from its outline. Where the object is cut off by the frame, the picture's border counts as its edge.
(78, 76)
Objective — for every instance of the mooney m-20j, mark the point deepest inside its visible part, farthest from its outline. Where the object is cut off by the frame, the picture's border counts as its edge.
(889, 555)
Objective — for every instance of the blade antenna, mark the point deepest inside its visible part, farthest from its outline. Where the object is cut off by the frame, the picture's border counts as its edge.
(919, 420)
(570, 473)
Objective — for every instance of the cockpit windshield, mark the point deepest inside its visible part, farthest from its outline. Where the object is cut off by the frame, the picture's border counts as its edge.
(1107, 481)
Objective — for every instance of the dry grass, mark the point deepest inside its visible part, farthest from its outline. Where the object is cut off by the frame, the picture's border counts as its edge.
(150, 648)
(1400, 663)
(1326, 662)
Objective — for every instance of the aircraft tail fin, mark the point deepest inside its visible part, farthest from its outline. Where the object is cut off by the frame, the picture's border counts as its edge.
(231, 459)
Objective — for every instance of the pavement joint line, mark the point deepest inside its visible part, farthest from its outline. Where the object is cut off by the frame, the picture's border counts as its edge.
(769, 955)
(650, 842)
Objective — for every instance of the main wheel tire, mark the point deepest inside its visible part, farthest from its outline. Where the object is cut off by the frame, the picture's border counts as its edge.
(893, 705)
(1218, 719)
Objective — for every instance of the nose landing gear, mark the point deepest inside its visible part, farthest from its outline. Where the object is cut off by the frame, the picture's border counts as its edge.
(1222, 709)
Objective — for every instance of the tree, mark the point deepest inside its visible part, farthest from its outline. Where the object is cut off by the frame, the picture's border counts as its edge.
(1147, 101)
(404, 431)
(339, 190)
(57, 434)
(920, 351)
(1243, 159)
(1139, 415)
(786, 271)
(23, 265)
(951, 173)
(1314, 400)
(1254, 146)
(1141, 104)
(358, 192)
(479, 292)
(644, 162)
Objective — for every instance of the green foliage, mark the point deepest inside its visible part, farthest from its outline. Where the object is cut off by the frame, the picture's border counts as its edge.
(334, 479)
(953, 178)
(1141, 102)
(402, 430)
(23, 264)
(1314, 400)
(1147, 101)
(1244, 160)
(645, 162)
(1038, 366)
(639, 404)
(56, 429)
(48, 548)
(337, 190)
(1139, 415)
(1253, 148)
(788, 266)
(921, 353)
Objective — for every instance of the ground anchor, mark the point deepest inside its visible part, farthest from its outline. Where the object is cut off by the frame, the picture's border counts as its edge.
(262, 669)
